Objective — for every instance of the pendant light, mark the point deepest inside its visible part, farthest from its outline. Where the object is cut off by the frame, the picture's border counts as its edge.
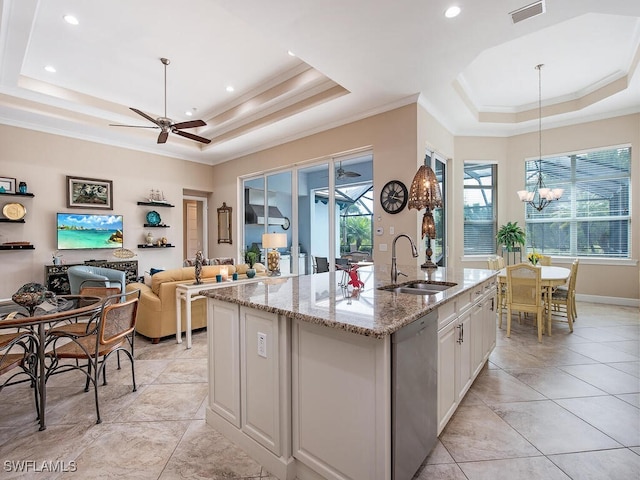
(540, 196)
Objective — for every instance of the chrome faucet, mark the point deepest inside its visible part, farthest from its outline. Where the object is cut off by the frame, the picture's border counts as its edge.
(394, 268)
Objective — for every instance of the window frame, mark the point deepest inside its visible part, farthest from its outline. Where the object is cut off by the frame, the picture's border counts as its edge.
(572, 184)
(494, 193)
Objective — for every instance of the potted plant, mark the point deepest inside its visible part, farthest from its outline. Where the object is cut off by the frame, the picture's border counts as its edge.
(251, 260)
(510, 235)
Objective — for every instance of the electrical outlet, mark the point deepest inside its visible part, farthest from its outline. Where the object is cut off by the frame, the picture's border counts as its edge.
(262, 344)
(382, 247)
(392, 230)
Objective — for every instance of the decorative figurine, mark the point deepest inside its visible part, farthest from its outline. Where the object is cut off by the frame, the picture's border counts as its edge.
(22, 187)
(198, 267)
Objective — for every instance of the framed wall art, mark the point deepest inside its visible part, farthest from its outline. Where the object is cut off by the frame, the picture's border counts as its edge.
(7, 185)
(89, 193)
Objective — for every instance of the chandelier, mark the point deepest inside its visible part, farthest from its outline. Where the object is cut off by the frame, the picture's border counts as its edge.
(541, 196)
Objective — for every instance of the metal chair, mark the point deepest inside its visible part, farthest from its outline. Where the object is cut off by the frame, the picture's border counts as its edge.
(320, 264)
(524, 294)
(17, 350)
(115, 332)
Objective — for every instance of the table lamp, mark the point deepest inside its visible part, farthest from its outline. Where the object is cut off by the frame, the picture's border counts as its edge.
(274, 241)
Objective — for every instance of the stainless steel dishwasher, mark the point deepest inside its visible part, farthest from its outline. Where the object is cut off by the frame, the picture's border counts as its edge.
(414, 402)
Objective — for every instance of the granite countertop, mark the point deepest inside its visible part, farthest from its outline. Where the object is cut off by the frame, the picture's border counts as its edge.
(321, 299)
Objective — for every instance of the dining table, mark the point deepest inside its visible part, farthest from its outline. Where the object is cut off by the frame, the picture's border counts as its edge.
(35, 326)
(551, 277)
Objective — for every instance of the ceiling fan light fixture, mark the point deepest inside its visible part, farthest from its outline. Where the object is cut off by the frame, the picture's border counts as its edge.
(165, 124)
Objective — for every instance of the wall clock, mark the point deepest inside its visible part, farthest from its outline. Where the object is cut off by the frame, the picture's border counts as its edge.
(286, 224)
(394, 196)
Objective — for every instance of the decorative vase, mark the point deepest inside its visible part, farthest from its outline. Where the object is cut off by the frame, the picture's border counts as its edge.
(149, 239)
(251, 272)
(22, 188)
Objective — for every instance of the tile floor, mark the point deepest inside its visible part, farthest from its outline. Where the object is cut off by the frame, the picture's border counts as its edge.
(566, 408)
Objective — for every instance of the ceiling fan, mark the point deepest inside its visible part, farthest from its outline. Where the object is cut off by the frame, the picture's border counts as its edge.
(165, 124)
(342, 173)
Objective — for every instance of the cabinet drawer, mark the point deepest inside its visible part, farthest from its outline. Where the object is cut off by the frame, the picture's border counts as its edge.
(446, 314)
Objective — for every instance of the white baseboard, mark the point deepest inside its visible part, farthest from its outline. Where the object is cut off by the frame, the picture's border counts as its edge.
(623, 302)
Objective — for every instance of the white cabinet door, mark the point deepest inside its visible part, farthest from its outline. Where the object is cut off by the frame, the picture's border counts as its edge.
(489, 321)
(223, 335)
(260, 373)
(463, 354)
(477, 338)
(447, 396)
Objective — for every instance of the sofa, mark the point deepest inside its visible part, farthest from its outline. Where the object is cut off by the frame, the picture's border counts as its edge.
(157, 306)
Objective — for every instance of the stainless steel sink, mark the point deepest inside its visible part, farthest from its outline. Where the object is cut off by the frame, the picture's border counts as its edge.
(419, 287)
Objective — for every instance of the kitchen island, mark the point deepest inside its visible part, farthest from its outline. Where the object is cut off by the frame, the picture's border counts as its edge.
(300, 368)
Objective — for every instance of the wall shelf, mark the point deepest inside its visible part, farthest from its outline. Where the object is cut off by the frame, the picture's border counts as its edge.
(168, 245)
(148, 225)
(156, 204)
(8, 220)
(17, 247)
(17, 194)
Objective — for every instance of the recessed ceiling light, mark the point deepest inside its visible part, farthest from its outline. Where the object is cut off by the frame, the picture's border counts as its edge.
(230, 89)
(50, 69)
(452, 12)
(71, 20)
(188, 113)
(291, 53)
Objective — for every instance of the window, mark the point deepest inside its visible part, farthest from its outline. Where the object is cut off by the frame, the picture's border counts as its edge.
(593, 218)
(479, 208)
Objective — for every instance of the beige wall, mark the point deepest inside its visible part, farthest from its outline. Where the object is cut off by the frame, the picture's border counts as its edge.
(391, 135)
(596, 277)
(44, 160)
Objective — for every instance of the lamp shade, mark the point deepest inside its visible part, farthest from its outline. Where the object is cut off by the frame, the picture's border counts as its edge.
(428, 225)
(274, 240)
(425, 190)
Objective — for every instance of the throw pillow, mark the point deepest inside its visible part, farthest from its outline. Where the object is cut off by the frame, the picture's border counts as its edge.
(153, 271)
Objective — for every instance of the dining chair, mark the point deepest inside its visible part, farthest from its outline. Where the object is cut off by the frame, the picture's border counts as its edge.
(545, 260)
(563, 299)
(115, 332)
(17, 350)
(321, 264)
(524, 294)
(78, 327)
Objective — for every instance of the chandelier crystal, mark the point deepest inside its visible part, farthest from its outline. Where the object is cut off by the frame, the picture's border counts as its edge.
(541, 196)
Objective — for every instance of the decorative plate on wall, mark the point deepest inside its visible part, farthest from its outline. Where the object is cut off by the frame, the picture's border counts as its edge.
(153, 218)
(14, 211)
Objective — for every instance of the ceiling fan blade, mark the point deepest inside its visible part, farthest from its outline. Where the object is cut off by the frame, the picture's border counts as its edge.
(189, 124)
(162, 138)
(139, 112)
(191, 136)
(130, 126)
(350, 174)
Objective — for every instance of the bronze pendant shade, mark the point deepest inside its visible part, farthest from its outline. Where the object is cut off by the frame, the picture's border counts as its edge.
(425, 190)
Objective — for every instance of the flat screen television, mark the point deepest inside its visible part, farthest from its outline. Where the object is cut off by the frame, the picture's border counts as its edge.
(88, 231)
